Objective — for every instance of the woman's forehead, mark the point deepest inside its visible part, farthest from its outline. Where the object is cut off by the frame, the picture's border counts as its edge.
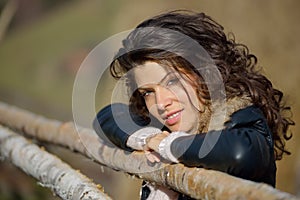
(150, 73)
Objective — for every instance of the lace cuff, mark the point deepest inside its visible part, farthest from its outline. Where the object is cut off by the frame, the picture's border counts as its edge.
(138, 139)
(165, 146)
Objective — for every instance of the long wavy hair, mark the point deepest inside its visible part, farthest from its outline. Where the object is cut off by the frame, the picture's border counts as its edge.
(238, 68)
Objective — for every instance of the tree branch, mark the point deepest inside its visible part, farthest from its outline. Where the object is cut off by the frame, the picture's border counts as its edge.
(47, 168)
(196, 182)
(6, 16)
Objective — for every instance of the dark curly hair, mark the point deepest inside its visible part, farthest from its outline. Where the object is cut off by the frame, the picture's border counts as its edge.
(237, 66)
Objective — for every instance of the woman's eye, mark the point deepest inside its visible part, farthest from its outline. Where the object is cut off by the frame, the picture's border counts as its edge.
(172, 81)
(146, 93)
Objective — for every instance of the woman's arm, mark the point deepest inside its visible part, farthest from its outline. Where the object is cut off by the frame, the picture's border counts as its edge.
(242, 152)
(244, 148)
(115, 124)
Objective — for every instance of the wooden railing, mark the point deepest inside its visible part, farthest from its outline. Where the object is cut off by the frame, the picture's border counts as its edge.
(196, 182)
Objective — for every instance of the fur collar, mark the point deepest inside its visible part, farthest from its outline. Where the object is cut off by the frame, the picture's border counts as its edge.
(214, 118)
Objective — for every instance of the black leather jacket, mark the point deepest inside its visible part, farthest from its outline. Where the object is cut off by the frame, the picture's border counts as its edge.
(244, 148)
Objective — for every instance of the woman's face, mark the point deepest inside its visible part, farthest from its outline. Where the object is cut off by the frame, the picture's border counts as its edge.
(169, 97)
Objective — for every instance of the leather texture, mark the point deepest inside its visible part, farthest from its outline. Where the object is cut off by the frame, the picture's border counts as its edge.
(244, 148)
(114, 124)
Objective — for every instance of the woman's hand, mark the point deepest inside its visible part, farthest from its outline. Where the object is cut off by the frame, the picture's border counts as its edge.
(153, 142)
(151, 147)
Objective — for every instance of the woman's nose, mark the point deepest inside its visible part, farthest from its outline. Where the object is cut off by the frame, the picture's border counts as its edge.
(163, 98)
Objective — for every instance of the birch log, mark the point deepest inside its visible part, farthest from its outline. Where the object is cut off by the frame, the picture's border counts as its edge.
(196, 182)
(51, 172)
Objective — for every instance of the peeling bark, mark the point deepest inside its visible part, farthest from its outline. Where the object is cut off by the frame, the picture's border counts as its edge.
(49, 170)
(196, 182)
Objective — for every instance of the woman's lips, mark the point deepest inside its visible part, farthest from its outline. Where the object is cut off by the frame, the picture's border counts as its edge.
(173, 118)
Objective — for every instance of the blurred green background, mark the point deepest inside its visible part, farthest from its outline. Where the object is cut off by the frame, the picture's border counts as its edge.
(45, 42)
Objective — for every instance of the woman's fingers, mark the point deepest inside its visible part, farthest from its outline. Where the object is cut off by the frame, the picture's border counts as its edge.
(151, 147)
(152, 156)
(153, 142)
(166, 133)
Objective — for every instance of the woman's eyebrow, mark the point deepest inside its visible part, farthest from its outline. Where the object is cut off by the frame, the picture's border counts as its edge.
(141, 89)
(165, 77)
(145, 87)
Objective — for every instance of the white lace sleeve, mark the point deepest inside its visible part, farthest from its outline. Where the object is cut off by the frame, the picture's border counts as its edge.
(165, 146)
(138, 139)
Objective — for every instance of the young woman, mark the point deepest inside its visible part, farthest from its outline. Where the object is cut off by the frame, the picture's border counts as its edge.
(175, 82)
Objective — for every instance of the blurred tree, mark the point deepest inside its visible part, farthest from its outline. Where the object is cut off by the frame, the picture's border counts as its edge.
(27, 11)
(7, 13)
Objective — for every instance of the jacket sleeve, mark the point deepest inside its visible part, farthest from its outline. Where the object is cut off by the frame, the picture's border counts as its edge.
(240, 151)
(114, 124)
